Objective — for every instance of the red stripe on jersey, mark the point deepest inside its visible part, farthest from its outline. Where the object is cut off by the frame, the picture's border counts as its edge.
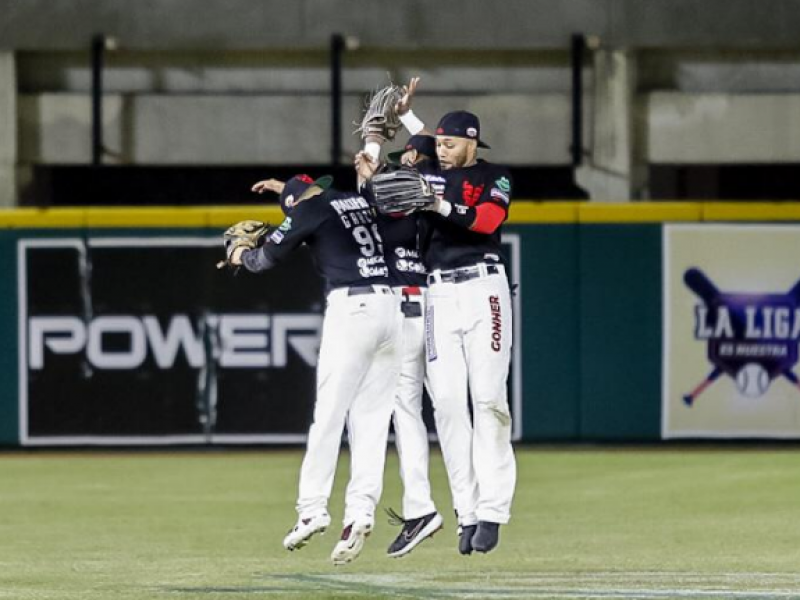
(488, 218)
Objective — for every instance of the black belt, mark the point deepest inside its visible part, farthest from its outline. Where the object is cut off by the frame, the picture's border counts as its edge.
(411, 308)
(463, 274)
(360, 290)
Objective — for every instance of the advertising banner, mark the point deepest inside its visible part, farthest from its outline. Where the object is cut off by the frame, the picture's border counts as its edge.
(731, 309)
(141, 341)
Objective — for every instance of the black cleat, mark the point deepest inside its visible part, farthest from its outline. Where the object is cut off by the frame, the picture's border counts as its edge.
(465, 533)
(486, 537)
(414, 532)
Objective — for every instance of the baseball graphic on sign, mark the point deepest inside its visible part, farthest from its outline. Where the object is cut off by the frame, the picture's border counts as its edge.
(752, 380)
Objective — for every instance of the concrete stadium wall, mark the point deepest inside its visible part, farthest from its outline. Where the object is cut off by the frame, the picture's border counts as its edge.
(523, 129)
(533, 24)
(222, 130)
(248, 81)
(722, 128)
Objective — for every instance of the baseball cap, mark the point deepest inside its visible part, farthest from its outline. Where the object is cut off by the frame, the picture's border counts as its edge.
(297, 186)
(424, 144)
(461, 123)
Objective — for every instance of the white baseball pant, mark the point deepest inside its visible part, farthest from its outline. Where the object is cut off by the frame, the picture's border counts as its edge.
(411, 435)
(468, 348)
(359, 362)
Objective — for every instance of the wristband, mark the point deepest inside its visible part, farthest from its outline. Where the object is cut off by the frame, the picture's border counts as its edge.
(373, 149)
(463, 217)
(411, 122)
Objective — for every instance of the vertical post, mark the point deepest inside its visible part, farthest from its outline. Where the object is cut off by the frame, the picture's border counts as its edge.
(9, 156)
(337, 49)
(98, 50)
(577, 51)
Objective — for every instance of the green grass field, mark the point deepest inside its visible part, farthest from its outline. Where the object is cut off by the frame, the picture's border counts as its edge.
(588, 523)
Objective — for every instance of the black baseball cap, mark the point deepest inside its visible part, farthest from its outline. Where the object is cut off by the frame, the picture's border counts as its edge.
(461, 123)
(297, 186)
(424, 144)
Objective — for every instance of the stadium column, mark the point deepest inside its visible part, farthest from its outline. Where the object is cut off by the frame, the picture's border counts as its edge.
(8, 130)
(615, 167)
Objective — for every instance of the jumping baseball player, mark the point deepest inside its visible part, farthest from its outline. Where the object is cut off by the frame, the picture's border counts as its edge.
(469, 325)
(420, 518)
(360, 351)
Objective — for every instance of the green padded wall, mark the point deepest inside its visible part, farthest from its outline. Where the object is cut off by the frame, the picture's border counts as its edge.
(549, 288)
(9, 375)
(620, 331)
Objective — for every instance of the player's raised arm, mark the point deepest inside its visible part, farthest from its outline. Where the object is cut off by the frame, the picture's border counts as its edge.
(407, 117)
(268, 185)
(366, 166)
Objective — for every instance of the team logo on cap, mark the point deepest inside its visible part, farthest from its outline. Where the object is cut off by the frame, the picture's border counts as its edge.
(289, 202)
(440, 130)
(472, 132)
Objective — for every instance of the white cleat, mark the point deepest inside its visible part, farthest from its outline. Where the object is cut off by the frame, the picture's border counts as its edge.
(305, 529)
(352, 542)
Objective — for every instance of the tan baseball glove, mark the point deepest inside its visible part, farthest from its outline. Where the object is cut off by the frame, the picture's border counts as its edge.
(380, 117)
(244, 234)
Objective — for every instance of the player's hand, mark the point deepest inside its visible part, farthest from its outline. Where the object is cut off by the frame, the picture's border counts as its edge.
(365, 165)
(434, 206)
(236, 257)
(404, 104)
(268, 185)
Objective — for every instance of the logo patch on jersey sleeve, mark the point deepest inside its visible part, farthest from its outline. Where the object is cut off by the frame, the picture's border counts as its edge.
(276, 237)
(504, 184)
(500, 195)
(286, 225)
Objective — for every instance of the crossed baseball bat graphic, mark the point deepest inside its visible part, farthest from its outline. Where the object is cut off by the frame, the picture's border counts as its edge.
(702, 286)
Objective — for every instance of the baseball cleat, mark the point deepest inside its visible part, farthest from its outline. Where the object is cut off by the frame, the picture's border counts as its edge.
(486, 537)
(465, 533)
(351, 543)
(305, 529)
(414, 532)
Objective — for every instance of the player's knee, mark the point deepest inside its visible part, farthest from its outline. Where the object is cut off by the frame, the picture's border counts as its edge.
(494, 406)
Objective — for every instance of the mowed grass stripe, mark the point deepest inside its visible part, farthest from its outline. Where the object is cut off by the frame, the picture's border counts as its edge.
(595, 585)
(587, 523)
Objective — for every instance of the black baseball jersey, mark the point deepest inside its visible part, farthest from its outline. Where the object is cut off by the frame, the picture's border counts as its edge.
(401, 244)
(448, 244)
(341, 229)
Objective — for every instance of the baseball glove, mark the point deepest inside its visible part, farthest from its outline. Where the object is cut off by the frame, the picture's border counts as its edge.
(380, 117)
(403, 190)
(244, 234)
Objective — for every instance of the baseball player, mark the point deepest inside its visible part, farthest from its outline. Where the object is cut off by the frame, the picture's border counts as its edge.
(359, 357)
(469, 324)
(420, 518)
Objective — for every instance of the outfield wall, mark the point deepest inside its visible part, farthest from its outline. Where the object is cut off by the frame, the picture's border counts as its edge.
(614, 336)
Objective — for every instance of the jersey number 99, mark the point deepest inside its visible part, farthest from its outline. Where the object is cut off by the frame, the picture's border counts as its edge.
(369, 242)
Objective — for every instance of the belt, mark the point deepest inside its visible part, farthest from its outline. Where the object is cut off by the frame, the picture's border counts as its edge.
(360, 290)
(463, 274)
